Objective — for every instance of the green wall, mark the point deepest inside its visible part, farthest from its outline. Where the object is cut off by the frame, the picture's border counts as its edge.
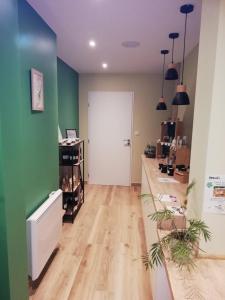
(68, 97)
(13, 274)
(29, 150)
(29, 140)
(40, 135)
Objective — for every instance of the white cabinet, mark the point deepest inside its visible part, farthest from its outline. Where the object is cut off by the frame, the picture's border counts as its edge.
(158, 276)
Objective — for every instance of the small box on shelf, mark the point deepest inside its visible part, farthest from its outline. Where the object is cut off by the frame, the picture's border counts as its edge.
(181, 176)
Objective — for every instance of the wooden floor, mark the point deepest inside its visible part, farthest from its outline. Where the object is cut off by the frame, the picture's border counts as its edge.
(99, 255)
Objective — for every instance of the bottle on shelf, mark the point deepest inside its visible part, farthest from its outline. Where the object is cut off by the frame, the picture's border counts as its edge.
(67, 187)
(70, 184)
(63, 185)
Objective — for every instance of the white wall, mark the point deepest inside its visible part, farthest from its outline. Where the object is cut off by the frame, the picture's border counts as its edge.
(208, 144)
(147, 90)
(190, 75)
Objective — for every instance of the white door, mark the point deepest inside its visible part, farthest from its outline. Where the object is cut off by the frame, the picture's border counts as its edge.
(109, 131)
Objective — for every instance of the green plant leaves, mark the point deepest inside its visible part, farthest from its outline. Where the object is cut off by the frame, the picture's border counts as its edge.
(154, 257)
(180, 244)
(146, 195)
(198, 228)
(157, 255)
(190, 187)
(146, 260)
(162, 215)
(181, 253)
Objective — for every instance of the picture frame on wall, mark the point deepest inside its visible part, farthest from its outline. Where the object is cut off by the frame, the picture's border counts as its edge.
(37, 90)
(72, 133)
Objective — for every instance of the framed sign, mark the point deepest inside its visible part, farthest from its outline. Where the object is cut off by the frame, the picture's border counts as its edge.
(37, 90)
(71, 133)
(215, 194)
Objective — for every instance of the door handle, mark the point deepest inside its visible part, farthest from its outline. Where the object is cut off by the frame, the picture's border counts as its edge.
(127, 142)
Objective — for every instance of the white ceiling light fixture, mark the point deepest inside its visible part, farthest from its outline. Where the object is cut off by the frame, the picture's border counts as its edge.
(131, 44)
(104, 65)
(92, 43)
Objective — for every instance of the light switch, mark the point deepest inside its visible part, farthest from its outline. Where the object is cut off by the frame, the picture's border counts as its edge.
(136, 133)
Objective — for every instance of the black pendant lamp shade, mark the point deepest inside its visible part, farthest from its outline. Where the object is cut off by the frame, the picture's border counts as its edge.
(181, 97)
(162, 105)
(171, 73)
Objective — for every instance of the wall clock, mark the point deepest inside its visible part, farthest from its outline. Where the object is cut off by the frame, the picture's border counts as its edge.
(37, 87)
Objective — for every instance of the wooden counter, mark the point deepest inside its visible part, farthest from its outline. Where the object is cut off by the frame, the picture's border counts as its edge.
(207, 280)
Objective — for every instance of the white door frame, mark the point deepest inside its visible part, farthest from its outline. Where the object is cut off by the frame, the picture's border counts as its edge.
(131, 136)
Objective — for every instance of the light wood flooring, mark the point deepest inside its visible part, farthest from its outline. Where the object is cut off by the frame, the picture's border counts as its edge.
(99, 255)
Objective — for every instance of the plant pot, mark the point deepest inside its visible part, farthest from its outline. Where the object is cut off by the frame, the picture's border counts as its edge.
(180, 235)
(179, 221)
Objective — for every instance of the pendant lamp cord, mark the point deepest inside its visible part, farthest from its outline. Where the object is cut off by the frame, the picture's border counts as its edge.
(172, 50)
(185, 31)
(164, 60)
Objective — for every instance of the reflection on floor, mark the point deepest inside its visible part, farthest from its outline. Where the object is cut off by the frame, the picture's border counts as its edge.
(99, 255)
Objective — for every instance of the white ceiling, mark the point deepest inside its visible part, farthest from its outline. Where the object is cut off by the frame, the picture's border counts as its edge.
(110, 22)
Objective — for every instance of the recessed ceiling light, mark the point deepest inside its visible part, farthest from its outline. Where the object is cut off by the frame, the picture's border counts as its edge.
(92, 43)
(104, 65)
(131, 44)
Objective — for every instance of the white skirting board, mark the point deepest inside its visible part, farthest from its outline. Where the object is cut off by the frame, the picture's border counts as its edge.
(44, 227)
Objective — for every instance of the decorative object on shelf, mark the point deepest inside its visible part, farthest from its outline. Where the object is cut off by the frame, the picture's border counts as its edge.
(37, 90)
(164, 169)
(184, 142)
(170, 170)
(181, 97)
(171, 129)
(181, 244)
(162, 105)
(173, 146)
(160, 165)
(183, 155)
(171, 73)
(150, 151)
(72, 133)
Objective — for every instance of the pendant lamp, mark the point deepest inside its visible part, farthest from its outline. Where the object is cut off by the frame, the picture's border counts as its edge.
(162, 105)
(181, 97)
(171, 73)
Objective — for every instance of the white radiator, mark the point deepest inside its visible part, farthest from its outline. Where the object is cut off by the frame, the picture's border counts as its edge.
(43, 231)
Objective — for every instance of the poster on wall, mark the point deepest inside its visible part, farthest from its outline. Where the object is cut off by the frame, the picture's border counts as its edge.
(215, 194)
(37, 87)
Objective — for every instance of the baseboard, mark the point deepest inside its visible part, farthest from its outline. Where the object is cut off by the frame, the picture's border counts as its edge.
(135, 184)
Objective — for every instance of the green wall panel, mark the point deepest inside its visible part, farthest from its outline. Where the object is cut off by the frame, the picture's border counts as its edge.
(40, 136)
(4, 274)
(68, 83)
(13, 274)
(29, 150)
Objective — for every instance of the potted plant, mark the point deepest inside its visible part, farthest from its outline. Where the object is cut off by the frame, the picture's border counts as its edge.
(179, 245)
